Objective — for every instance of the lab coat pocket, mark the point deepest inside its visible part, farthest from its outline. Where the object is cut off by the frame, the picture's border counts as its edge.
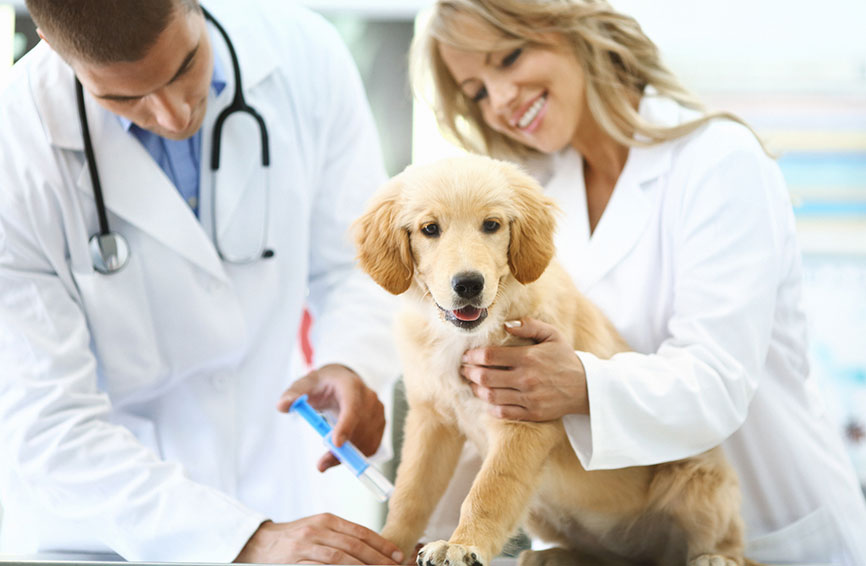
(122, 330)
(814, 538)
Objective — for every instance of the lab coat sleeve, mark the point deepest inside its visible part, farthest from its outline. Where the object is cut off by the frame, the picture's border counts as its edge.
(694, 391)
(56, 436)
(352, 316)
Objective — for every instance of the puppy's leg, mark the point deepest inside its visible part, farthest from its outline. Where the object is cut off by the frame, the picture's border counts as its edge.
(500, 494)
(430, 452)
(703, 497)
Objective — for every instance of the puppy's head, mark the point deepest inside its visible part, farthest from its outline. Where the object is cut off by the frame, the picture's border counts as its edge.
(458, 229)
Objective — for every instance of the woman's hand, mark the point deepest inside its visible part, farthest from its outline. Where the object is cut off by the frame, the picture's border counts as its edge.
(540, 382)
(361, 415)
(320, 539)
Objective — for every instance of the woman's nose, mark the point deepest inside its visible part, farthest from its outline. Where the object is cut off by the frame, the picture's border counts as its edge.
(502, 96)
(171, 110)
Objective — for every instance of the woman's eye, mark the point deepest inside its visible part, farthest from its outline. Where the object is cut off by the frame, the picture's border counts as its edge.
(490, 226)
(512, 57)
(480, 95)
(430, 230)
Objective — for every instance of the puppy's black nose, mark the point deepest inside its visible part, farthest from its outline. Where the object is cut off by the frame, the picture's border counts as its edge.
(468, 284)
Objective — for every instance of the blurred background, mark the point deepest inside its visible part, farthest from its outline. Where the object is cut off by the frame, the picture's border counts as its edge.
(795, 70)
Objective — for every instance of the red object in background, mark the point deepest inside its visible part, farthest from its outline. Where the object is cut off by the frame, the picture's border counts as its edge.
(304, 338)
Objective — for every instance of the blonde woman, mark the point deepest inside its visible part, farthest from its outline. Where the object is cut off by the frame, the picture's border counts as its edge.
(678, 225)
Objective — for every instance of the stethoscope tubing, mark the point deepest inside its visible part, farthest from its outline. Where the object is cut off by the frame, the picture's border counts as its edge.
(109, 250)
(91, 160)
(239, 104)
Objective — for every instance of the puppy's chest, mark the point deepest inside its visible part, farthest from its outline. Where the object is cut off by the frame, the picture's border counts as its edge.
(432, 360)
(441, 377)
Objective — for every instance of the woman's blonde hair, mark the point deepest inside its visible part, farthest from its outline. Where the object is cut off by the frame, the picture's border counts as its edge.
(618, 59)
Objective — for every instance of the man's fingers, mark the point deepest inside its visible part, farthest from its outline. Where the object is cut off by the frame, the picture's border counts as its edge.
(350, 412)
(342, 547)
(320, 552)
(295, 390)
(373, 548)
(328, 460)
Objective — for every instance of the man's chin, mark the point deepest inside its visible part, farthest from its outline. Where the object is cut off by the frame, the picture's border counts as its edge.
(181, 135)
(178, 136)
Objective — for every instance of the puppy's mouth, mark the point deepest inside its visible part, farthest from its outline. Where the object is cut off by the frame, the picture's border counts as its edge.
(466, 317)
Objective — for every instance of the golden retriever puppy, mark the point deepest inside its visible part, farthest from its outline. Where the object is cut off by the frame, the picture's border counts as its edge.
(469, 242)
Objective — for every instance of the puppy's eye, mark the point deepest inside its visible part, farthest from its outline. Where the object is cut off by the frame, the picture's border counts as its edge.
(490, 226)
(430, 230)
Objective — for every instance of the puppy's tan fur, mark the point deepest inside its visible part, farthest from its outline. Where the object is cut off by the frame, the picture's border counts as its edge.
(663, 514)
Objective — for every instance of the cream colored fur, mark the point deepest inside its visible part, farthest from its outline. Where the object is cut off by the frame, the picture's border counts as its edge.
(676, 513)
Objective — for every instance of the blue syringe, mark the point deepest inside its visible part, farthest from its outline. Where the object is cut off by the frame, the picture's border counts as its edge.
(347, 454)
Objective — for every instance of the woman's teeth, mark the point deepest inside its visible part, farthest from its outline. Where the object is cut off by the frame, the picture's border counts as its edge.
(532, 112)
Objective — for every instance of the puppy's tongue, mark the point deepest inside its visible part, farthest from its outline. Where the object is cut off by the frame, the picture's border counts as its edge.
(467, 314)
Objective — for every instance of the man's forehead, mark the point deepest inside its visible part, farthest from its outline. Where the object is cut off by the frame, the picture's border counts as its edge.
(174, 51)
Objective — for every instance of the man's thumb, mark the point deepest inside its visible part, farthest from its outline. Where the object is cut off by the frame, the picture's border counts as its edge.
(530, 328)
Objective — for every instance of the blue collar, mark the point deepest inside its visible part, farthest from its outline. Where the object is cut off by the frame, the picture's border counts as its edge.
(217, 84)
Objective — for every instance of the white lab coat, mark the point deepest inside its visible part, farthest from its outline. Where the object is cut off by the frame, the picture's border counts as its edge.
(137, 410)
(695, 261)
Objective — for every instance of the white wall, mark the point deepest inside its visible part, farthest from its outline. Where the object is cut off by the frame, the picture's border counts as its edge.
(760, 44)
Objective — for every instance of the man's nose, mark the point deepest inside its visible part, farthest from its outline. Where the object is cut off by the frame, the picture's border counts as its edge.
(171, 110)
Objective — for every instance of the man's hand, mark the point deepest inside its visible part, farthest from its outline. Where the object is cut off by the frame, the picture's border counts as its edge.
(540, 382)
(361, 415)
(320, 539)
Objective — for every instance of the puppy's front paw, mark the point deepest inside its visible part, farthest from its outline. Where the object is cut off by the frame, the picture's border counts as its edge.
(713, 560)
(443, 553)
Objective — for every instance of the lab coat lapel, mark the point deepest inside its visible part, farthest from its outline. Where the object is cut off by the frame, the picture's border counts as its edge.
(627, 213)
(630, 208)
(566, 187)
(136, 189)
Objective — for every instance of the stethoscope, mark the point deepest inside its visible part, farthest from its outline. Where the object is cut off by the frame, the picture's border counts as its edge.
(110, 250)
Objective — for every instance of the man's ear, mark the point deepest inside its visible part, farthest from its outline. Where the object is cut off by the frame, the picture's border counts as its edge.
(383, 244)
(42, 36)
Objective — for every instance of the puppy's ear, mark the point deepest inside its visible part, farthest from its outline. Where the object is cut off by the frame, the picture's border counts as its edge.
(383, 245)
(531, 247)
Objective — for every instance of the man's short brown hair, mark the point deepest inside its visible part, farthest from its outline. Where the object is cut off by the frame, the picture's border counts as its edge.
(104, 31)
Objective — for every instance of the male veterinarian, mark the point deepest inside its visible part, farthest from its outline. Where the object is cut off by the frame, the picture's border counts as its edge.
(149, 296)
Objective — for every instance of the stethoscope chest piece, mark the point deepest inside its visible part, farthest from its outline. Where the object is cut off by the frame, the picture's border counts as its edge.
(109, 252)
